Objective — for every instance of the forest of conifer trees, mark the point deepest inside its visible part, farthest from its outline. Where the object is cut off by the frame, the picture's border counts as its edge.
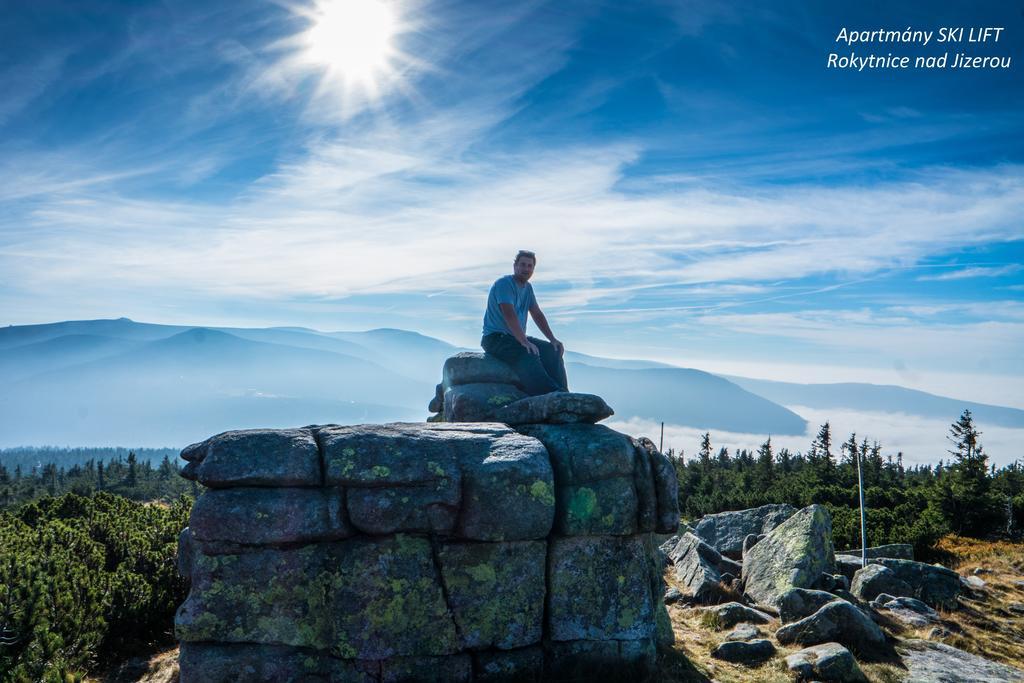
(918, 505)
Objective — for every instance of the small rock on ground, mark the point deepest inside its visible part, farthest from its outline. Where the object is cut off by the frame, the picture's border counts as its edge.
(748, 653)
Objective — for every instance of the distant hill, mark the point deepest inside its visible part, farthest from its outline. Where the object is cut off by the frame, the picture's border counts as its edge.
(878, 398)
(685, 397)
(120, 382)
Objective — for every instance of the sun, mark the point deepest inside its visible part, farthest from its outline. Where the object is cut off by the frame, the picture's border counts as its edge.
(353, 39)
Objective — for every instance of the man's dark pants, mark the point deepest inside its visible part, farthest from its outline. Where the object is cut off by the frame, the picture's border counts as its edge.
(539, 374)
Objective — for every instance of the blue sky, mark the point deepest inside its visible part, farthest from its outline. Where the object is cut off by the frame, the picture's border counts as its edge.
(700, 189)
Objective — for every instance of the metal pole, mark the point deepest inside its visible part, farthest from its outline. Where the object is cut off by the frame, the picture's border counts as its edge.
(863, 522)
(661, 441)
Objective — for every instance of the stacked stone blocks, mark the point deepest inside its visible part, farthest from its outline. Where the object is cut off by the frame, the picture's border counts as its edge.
(449, 551)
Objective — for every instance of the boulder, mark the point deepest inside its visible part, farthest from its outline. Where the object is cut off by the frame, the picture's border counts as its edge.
(797, 603)
(974, 582)
(730, 567)
(848, 565)
(874, 579)
(475, 367)
(792, 555)
(909, 611)
(746, 652)
(436, 404)
(732, 613)
(928, 661)
(825, 662)
(837, 621)
(696, 568)
(478, 402)
(743, 632)
(557, 407)
(726, 531)
(933, 584)
(893, 551)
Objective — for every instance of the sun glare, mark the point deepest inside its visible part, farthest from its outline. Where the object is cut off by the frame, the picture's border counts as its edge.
(353, 38)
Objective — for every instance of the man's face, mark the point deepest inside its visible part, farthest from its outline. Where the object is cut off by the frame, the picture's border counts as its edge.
(523, 268)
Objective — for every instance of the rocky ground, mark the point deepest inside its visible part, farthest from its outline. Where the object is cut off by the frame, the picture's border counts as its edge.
(988, 622)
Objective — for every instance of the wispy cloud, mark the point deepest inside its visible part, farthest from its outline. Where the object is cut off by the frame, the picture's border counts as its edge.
(977, 271)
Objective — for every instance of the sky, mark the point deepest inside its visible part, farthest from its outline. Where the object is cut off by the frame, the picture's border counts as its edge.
(699, 187)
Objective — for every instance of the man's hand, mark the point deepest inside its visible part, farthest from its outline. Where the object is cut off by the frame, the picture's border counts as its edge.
(559, 346)
(530, 346)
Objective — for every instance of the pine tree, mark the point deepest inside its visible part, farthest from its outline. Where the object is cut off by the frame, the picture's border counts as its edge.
(967, 502)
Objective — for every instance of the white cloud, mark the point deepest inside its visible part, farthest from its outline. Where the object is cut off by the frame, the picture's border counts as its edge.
(979, 271)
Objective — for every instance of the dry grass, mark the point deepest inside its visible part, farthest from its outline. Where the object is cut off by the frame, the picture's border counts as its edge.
(159, 668)
(983, 624)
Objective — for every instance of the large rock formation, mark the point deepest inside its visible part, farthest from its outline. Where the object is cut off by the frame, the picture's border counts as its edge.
(451, 551)
(793, 555)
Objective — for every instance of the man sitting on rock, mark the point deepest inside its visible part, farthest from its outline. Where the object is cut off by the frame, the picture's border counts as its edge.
(538, 363)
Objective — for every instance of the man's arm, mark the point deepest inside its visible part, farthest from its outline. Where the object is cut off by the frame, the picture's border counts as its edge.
(508, 312)
(542, 325)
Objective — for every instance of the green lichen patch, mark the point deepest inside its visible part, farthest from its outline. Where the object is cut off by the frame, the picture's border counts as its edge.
(387, 601)
(496, 591)
(601, 507)
(589, 602)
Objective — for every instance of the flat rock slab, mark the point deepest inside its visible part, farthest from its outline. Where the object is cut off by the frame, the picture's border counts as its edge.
(474, 367)
(268, 516)
(255, 457)
(558, 407)
(726, 531)
(825, 662)
(480, 402)
(732, 613)
(793, 555)
(838, 621)
(930, 662)
(748, 653)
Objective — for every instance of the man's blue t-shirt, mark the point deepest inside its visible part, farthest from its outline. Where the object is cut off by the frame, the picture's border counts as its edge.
(505, 290)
